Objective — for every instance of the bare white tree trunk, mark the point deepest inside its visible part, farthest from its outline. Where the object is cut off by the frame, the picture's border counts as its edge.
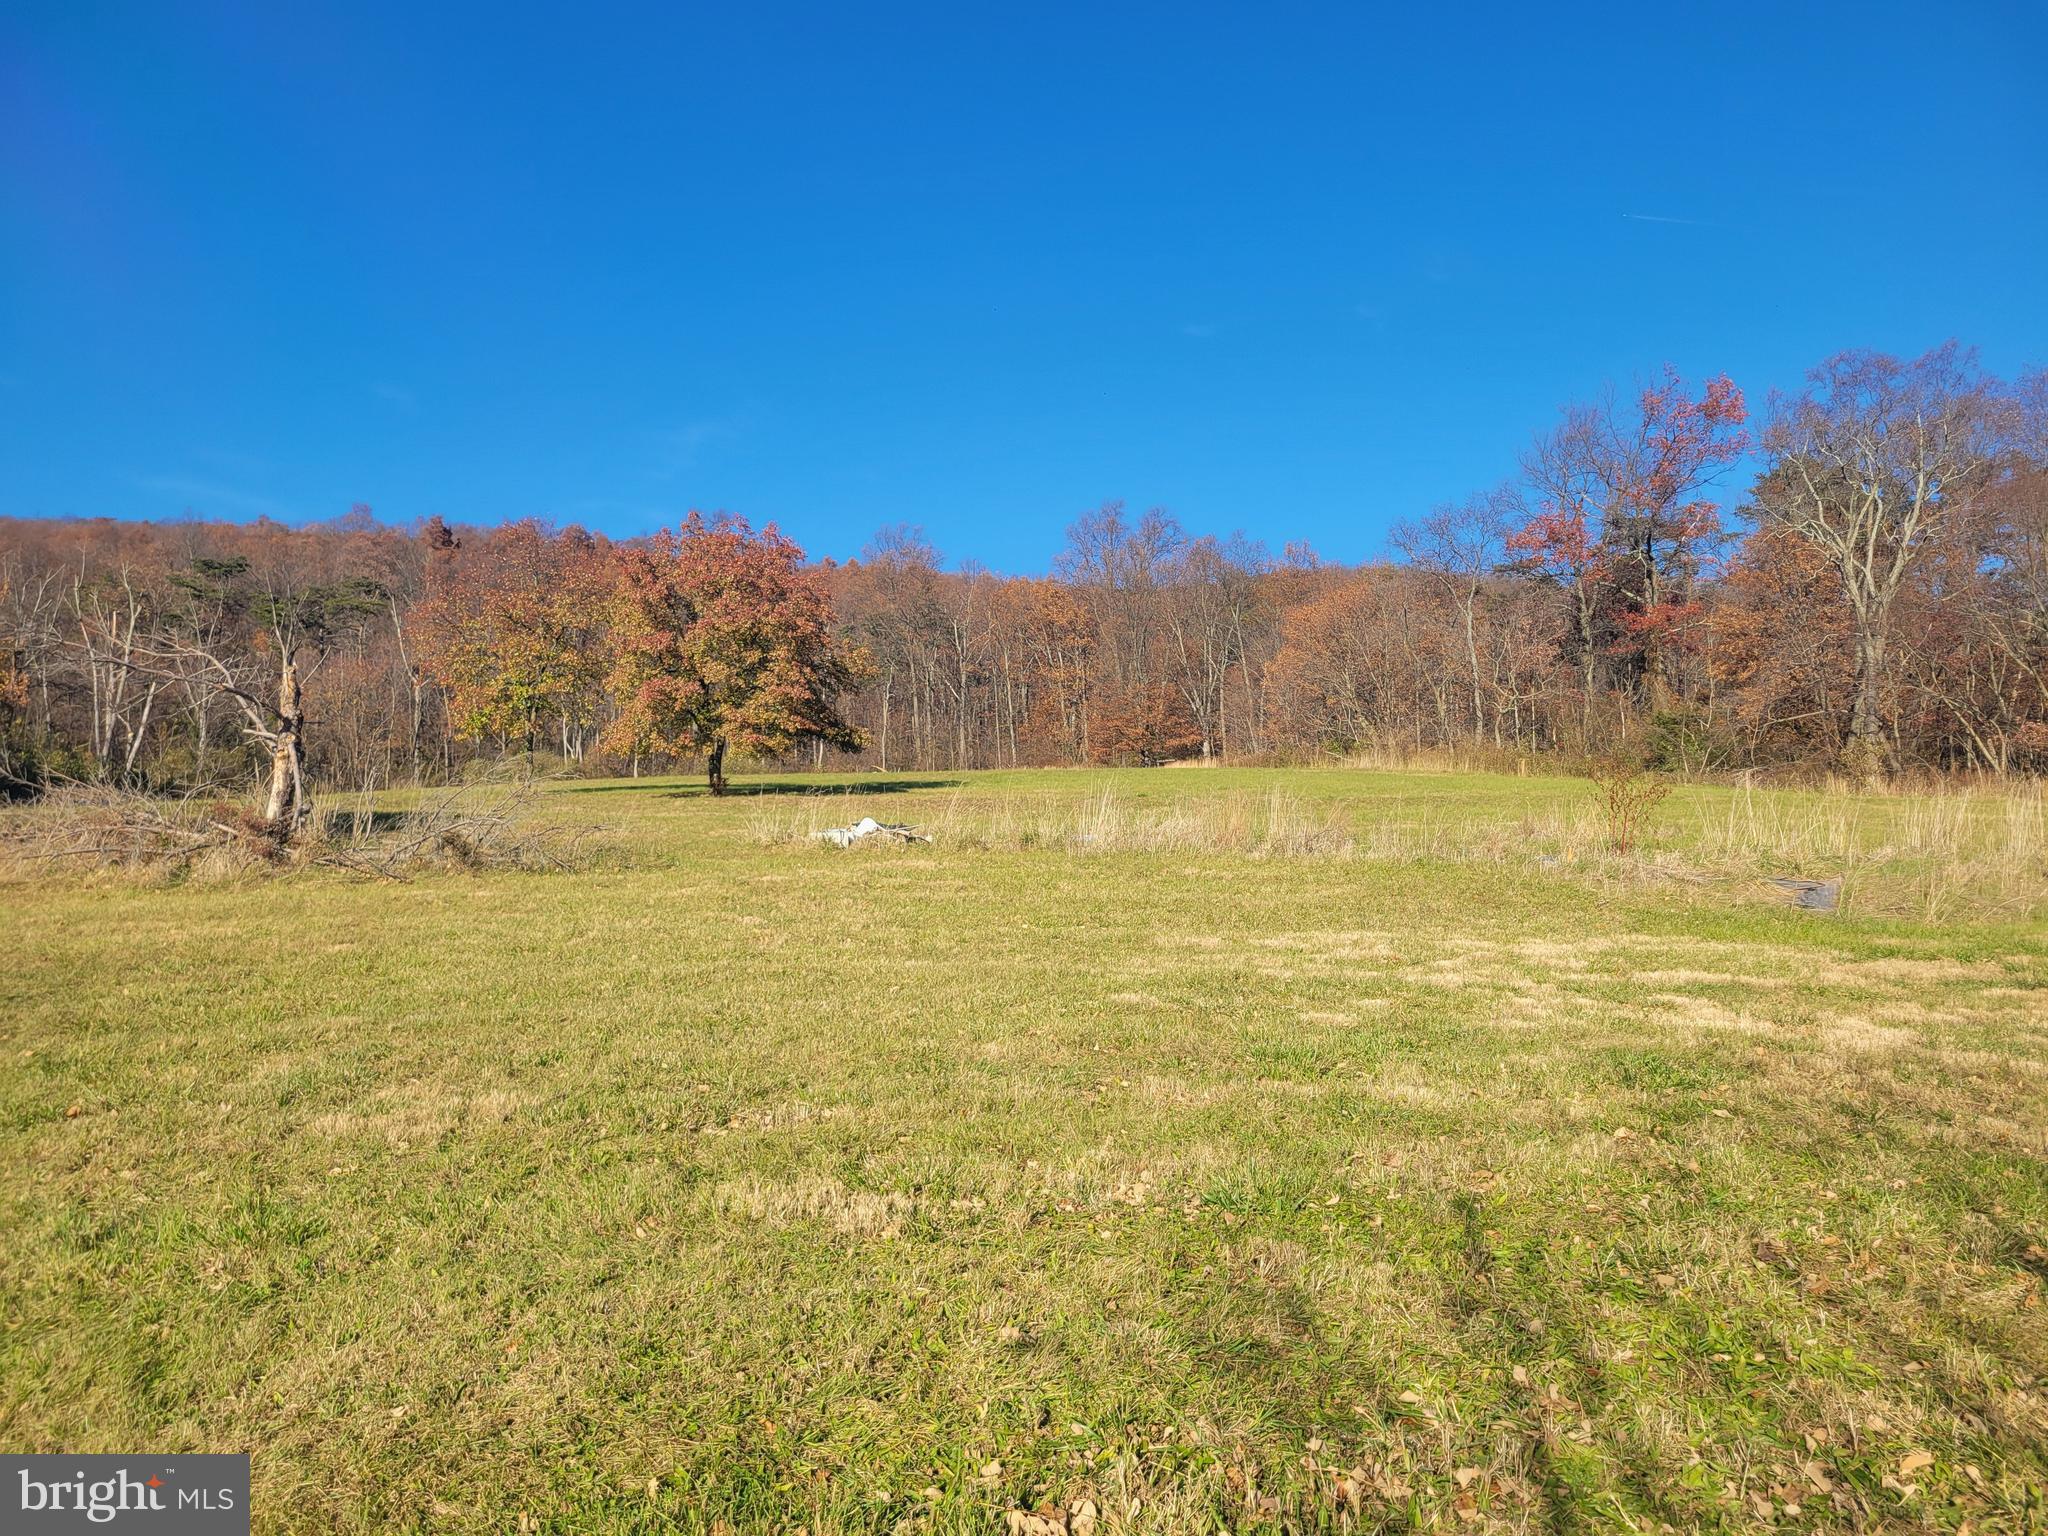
(287, 800)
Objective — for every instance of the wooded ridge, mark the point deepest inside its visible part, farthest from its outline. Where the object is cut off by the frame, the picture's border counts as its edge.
(1880, 602)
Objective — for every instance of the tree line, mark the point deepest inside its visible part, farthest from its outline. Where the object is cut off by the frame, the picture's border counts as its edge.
(1877, 603)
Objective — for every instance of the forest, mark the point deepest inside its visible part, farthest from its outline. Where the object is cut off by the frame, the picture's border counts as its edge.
(1873, 599)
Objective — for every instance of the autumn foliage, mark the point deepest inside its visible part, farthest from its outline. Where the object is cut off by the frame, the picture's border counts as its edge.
(723, 641)
(1862, 581)
(514, 635)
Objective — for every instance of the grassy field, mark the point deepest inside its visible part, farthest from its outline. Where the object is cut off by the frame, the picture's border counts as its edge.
(1170, 1151)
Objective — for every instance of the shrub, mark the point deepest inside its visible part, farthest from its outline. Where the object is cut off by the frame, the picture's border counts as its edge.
(1628, 793)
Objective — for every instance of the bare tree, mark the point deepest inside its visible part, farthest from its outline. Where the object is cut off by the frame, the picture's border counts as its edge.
(1460, 548)
(1866, 464)
(108, 617)
(32, 649)
(262, 633)
(901, 623)
(1213, 596)
(1118, 566)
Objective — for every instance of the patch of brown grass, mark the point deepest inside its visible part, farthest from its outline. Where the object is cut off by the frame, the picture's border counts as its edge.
(827, 1202)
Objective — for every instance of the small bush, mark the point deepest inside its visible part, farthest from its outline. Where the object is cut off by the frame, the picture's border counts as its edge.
(1628, 793)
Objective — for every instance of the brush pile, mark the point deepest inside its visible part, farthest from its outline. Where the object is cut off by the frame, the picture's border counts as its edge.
(479, 826)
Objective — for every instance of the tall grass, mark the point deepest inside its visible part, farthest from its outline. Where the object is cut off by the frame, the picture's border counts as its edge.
(1272, 825)
(1451, 757)
(1930, 850)
(1930, 853)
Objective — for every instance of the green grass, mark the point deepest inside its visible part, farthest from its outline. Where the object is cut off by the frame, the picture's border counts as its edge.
(1446, 1181)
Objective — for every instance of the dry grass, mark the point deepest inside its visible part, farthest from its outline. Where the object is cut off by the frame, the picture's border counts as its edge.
(1273, 825)
(1402, 757)
(826, 1202)
(1933, 853)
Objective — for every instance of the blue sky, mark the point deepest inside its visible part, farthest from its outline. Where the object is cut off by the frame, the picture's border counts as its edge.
(1301, 270)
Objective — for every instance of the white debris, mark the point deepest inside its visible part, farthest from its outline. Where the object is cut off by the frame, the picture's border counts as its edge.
(866, 827)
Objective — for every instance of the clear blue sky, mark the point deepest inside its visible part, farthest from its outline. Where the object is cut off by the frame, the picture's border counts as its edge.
(1302, 270)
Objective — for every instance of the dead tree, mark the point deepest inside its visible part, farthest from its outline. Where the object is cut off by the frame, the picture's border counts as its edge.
(263, 637)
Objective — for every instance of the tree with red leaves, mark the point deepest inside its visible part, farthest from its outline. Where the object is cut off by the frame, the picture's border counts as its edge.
(723, 642)
(1559, 545)
(1636, 483)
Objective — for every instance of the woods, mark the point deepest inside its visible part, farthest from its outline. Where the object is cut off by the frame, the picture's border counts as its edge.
(1878, 603)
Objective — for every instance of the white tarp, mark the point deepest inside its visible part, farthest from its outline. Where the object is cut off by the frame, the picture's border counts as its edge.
(866, 827)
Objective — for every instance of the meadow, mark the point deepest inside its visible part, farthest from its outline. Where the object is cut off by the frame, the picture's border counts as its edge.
(1171, 1150)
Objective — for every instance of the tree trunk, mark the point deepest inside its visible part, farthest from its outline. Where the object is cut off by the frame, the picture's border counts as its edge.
(287, 802)
(136, 734)
(1656, 675)
(414, 682)
(1472, 660)
(1656, 672)
(1864, 753)
(715, 765)
(1589, 661)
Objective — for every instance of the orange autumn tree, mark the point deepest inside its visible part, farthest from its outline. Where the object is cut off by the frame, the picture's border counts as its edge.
(723, 641)
(510, 630)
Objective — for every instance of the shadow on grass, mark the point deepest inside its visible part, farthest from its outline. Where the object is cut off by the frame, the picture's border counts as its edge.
(373, 821)
(734, 791)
